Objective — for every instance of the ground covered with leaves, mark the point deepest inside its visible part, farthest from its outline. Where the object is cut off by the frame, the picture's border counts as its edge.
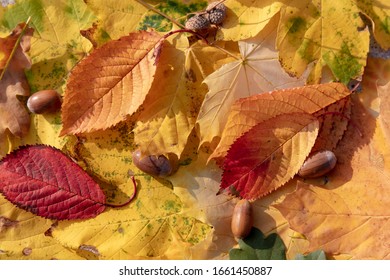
(165, 126)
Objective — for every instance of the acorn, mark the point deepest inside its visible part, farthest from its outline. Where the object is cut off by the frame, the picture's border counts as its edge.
(156, 165)
(216, 12)
(44, 101)
(318, 165)
(242, 219)
(197, 22)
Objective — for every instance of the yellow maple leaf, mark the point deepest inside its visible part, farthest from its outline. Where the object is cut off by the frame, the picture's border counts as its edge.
(116, 18)
(246, 18)
(257, 71)
(324, 32)
(25, 236)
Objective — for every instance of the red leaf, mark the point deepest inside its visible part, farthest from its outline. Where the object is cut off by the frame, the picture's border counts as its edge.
(268, 155)
(42, 180)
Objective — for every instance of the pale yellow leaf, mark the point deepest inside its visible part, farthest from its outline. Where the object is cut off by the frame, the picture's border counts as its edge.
(257, 71)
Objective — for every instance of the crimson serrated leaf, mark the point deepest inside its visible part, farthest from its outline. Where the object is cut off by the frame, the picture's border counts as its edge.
(268, 155)
(43, 180)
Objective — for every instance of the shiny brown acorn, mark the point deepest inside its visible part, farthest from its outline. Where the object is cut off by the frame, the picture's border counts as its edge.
(242, 219)
(156, 165)
(44, 101)
(318, 165)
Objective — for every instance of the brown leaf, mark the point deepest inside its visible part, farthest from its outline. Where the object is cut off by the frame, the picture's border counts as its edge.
(13, 116)
(110, 84)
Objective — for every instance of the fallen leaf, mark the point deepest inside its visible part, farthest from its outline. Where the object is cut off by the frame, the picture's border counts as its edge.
(26, 233)
(44, 181)
(246, 18)
(258, 70)
(378, 12)
(376, 74)
(109, 84)
(329, 34)
(349, 214)
(333, 222)
(116, 19)
(384, 115)
(334, 120)
(268, 155)
(149, 229)
(258, 247)
(248, 112)
(155, 226)
(196, 185)
(13, 83)
(169, 112)
(57, 27)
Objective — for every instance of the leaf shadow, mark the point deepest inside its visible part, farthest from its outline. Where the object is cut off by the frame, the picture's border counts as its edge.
(352, 142)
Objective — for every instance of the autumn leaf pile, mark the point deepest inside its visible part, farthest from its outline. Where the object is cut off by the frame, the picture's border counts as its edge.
(239, 106)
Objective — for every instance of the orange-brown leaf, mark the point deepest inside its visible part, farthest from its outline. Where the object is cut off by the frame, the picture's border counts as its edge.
(350, 213)
(341, 222)
(109, 84)
(269, 154)
(247, 112)
(13, 115)
(384, 117)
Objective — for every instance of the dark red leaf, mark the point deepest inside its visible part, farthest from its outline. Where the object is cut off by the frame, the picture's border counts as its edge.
(44, 181)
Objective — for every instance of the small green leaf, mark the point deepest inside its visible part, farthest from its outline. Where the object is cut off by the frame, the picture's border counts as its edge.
(257, 247)
(316, 255)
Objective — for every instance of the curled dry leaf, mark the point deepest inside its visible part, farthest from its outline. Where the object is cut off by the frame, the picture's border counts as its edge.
(109, 84)
(13, 115)
(42, 180)
(269, 155)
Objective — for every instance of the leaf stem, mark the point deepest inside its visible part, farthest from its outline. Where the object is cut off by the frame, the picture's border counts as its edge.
(150, 7)
(14, 48)
(129, 200)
